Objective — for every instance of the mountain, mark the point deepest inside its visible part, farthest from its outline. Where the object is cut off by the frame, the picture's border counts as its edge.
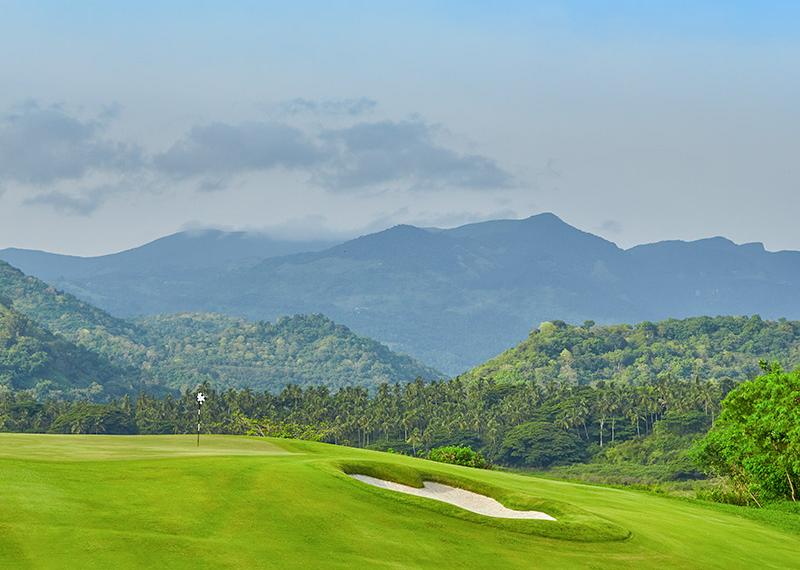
(713, 276)
(722, 348)
(448, 297)
(456, 297)
(183, 350)
(32, 358)
(161, 269)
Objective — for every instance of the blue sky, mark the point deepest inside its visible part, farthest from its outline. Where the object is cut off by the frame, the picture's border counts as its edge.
(636, 120)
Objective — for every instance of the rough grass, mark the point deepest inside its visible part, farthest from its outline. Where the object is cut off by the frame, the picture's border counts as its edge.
(247, 506)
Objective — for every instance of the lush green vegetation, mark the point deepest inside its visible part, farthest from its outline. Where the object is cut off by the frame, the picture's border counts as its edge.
(301, 350)
(660, 461)
(458, 455)
(755, 443)
(32, 358)
(181, 351)
(522, 425)
(725, 349)
(246, 502)
(65, 315)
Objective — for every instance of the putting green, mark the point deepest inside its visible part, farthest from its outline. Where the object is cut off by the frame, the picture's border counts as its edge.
(147, 501)
(125, 447)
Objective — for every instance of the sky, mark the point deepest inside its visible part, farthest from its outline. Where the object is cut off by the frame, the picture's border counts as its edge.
(121, 122)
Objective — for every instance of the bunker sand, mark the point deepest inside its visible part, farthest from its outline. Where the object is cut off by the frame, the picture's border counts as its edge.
(461, 498)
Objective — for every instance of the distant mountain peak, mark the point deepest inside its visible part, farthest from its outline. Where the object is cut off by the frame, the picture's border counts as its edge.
(545, 216)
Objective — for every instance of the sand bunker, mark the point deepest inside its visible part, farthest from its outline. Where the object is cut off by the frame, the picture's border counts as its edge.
(459, 497)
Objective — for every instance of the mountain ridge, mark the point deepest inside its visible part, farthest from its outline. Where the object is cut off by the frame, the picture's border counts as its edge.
(456, 297)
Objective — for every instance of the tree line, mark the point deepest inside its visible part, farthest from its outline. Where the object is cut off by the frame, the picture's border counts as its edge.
(503, 420)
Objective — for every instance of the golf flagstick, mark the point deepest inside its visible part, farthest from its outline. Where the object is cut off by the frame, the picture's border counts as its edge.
(201, 398)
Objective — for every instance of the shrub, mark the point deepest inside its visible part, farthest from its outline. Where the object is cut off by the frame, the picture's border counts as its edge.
(458, 455)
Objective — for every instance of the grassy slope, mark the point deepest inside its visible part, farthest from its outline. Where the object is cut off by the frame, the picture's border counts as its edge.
(65, 499)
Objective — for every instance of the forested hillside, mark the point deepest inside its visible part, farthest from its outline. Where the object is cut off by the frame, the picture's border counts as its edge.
(75, 320)
(32, 358)
(725, 349)
(303, 350)
(181, 351)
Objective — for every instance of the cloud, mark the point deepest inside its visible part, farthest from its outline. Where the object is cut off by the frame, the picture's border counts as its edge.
(78, 205)
(86, 199)
(67, 161)
(347, 107)
(404, 153)
(365, 156)
(41, 145)
(222, 150)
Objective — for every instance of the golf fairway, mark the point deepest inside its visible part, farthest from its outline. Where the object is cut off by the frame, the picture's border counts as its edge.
(235, 502)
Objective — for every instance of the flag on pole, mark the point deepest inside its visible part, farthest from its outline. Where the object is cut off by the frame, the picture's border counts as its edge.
(201, 399)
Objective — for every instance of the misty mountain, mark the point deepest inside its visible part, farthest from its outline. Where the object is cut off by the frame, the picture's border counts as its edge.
(166, 264)
(453, 298)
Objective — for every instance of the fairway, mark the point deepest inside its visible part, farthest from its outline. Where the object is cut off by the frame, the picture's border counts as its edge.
(236, 502)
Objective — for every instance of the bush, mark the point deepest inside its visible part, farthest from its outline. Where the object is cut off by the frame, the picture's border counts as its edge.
(458, 455)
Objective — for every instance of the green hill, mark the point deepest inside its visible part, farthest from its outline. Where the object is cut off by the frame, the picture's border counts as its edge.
(238, 502)
(720, 348)
(302, 350)
(33, 358)
(75, 320)
(181, 351)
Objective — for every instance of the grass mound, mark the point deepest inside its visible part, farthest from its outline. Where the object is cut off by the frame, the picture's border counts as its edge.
(572, 522)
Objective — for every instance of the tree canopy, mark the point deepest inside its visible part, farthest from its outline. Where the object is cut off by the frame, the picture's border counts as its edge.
(726, 349)
(755, 442)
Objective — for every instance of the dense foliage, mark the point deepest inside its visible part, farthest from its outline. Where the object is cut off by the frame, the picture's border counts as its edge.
(726, 349)
(65, 315)
(525, 424)
(663, 456)
(301, 350)
(755, 443)
(458, 455)
(182, 351)
(32, 358)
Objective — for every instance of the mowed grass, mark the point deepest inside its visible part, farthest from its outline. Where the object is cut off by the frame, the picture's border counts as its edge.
(158, 501)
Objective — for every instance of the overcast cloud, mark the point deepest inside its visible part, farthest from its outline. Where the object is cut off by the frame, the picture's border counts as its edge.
(40, 145)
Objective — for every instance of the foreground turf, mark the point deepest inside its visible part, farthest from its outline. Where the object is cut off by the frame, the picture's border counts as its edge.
(149, 501)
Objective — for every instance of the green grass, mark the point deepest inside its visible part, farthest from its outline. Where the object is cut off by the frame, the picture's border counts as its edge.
(159, 501)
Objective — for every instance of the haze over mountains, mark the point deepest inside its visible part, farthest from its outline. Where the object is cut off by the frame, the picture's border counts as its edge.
(206, 249)
(451, 298)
